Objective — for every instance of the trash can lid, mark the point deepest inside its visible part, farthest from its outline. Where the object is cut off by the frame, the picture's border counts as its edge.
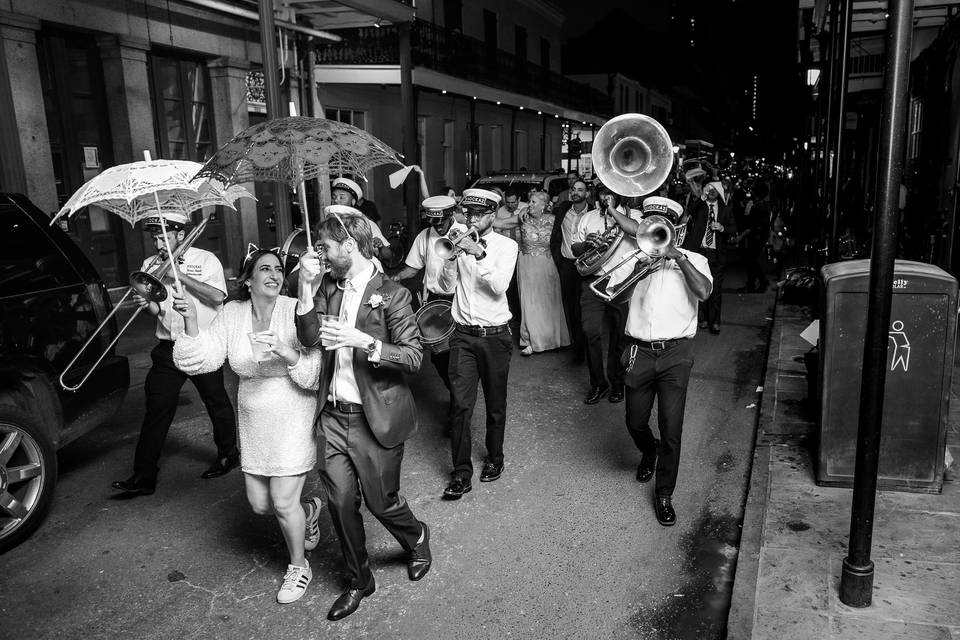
(901, 269)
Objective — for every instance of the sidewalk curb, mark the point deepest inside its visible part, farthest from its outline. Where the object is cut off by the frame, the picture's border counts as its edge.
(743, 598)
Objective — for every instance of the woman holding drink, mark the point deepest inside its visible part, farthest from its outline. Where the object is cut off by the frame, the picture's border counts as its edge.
(276, 401)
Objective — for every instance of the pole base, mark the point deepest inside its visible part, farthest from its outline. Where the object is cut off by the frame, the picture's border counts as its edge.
(856, 584)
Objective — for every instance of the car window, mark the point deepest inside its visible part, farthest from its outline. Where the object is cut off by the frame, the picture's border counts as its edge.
(31, 261)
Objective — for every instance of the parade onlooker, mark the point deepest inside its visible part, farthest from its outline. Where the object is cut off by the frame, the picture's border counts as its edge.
(753, 238)
(566, 219)
(345, 192)
(364, 326)
(572, 178)
(201, 274)
(661, 321)
(256, 335)
(710, 223)
(481, 345)
(542, 326)
(505, 224)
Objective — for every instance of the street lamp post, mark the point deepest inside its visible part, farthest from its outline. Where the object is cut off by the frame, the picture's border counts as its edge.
(856, 578)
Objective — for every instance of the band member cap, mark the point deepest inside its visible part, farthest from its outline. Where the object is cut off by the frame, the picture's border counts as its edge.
(438, 206)
(657, 205)
(349, 185)
(176, 220)
(481, 198)
(341, 210)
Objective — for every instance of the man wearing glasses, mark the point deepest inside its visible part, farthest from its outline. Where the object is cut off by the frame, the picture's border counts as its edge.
(201, 274)
(478, 275)
(366, 328)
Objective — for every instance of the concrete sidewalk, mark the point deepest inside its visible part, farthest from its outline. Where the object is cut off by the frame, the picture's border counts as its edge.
(795, 532)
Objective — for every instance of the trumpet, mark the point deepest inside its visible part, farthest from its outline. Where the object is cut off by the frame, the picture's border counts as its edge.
(654, 235)
(149, 285)
(448, 246)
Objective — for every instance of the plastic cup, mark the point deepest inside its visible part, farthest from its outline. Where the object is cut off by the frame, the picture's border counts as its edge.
(259, 349)
(328, 320)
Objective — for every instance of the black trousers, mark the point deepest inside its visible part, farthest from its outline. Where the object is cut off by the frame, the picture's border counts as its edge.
(356, 465)
(603, 318)
(663, 375)
(162, 388)
(570, 284)
(711, 307)
(485, 359)
(753, 258)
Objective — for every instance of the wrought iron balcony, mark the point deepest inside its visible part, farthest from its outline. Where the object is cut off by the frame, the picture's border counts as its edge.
(454, 54)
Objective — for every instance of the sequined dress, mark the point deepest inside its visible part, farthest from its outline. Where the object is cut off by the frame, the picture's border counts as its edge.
(543, 324)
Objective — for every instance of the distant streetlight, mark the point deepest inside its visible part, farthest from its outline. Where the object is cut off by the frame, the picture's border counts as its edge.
(813, 76)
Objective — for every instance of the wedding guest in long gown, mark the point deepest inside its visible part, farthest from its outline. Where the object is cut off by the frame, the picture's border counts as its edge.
(543, 325)
(278, 379)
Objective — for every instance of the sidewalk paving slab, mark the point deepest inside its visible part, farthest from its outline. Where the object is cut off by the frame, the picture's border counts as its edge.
(795, 532)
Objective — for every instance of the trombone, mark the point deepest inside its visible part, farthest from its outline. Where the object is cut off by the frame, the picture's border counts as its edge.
(654, 235)
(149, 285)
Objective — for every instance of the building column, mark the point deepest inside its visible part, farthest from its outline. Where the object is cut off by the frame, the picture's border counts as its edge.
(27, 165)
(228, 88)
(127, 87)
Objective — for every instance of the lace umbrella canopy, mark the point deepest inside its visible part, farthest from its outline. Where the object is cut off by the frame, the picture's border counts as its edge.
(141, 190)
(294, 149)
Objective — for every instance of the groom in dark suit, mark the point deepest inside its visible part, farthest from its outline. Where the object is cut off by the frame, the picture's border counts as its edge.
(365, 409)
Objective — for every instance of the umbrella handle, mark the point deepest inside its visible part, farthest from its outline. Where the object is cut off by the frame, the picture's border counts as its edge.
(166, 241)
(302, 192)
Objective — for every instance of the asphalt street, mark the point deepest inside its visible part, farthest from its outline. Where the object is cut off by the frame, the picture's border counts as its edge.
(564, 545)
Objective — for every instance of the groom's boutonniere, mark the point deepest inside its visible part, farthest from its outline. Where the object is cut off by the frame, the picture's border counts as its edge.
(377, 300)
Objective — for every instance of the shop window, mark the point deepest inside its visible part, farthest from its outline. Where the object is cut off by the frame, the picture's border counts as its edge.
(181, 104)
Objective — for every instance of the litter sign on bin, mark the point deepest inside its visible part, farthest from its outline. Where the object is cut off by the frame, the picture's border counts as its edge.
(920, 366)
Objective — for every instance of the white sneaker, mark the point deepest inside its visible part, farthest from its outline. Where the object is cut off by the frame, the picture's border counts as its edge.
(311, 536)
(526, 351)
(294, 583)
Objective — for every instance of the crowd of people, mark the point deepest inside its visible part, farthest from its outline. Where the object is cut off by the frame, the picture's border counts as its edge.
(332, 356)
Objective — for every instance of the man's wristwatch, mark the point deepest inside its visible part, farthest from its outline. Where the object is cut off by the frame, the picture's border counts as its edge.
(483, 254)
(371, 348)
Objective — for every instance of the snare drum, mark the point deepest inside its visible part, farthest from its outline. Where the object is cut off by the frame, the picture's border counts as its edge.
(435, 325)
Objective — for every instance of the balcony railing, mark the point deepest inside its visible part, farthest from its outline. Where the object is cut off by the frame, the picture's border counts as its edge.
(463, 57)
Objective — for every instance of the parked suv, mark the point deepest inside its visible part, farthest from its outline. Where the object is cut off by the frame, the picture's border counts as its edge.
(552, 183)
(51, 301)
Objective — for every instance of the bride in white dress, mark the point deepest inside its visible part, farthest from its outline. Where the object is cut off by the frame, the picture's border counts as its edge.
(276, 400)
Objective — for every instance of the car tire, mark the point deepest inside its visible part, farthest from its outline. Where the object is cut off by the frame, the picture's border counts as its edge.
(28, 475)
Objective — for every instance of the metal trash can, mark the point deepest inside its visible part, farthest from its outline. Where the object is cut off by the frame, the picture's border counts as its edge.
(923, 323)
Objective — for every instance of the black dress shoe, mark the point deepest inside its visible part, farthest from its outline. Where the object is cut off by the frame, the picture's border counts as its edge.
(596, 393)
(457, 487)
(648, 464)
(348, 602)
(136, 485)
(715, 329)
(491, 472)
(616, 395)
(221, 467)
(665, 513)
(419, 560)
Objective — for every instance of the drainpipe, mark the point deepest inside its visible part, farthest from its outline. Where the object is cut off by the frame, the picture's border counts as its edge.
(275, 109)
(846, 20)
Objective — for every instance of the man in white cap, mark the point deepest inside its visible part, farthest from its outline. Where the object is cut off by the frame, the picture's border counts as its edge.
(601, 318)
(481, 344)
(201, 274)
(346, 192)
(661, 322)
(710, 225)
(438, 212)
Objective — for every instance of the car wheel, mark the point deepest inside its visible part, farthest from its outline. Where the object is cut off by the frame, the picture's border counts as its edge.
(28, 474)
